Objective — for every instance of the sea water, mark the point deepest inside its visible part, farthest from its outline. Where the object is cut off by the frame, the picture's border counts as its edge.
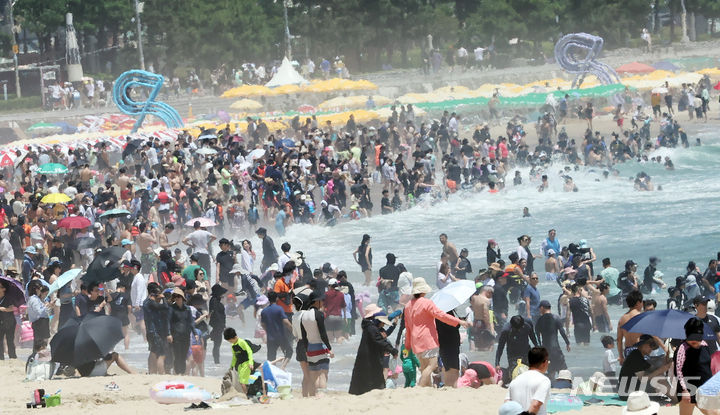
(677, 224)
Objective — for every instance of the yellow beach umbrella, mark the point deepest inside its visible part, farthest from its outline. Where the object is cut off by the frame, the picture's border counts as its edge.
(246, 104)
(56, 198)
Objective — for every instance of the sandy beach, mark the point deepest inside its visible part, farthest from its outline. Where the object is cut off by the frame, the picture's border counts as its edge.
(81, 394)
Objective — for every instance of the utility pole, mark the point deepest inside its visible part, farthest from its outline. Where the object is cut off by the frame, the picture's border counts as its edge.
(288, 52)
(138, 10)
(15, 50)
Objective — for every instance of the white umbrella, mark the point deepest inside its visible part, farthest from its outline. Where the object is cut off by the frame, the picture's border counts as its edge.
(256, 154)
(206, 151)
(660, 90)
(453, 295)
(207, 137)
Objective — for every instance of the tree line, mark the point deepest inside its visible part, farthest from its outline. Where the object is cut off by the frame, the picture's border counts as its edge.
(366, 33)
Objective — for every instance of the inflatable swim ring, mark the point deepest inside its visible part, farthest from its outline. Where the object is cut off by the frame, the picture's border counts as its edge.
(178, 392)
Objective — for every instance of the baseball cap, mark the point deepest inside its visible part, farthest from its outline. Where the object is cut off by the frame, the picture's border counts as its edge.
(545, 304)
(629, 263)
(126, 242)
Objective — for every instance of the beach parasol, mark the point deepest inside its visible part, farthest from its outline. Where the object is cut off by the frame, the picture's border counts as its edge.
(92, 339)
(665, 66)
(7, 161)
(43, 128)
(306, 108)
(665, 324)
(453, 294)
(52, 168)
(115, 213)
(204, 222)
(55, 198)
(207, 136)
(256, 154)
(206, 151)
(131, 147)
(64, 279)
(105, 266)
(246, 105)
(14, 292)
(635, 67)
(74, 222)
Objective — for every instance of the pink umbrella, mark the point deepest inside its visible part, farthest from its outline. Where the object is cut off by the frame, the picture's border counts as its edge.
(204, 222)
(635, 67)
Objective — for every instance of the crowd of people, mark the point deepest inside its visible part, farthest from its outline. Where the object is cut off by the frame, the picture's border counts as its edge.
(163, 208)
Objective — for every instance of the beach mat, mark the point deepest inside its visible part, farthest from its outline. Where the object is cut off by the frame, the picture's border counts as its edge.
(605, 400)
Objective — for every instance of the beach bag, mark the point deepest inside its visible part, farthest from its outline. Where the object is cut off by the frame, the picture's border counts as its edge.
(519, 369)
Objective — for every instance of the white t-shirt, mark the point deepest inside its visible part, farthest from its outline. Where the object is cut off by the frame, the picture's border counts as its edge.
(462, 52)
(199, 239)
(529, 386)
(138, 290)
(479, 53)
(610, 362)
(522, 253)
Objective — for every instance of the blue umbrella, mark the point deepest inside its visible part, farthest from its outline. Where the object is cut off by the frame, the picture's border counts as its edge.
(665, 324)
(665, 66)
(63, 279)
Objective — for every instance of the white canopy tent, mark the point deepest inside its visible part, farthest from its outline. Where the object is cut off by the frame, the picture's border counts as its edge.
(286, 75)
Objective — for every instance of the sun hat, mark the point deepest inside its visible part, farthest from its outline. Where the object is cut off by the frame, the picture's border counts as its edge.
(262, 300)
(126, 242)
(30, 250)
(371, 309)
(296, 258)
(510, 408)
(178, 291)
(382, 317)
(420, 286)
(564, 375)
(550, 252)
(495, 266)
(639, 403)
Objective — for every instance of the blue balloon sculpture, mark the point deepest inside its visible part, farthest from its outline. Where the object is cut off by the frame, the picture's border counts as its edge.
(143, 79)
(577, 52)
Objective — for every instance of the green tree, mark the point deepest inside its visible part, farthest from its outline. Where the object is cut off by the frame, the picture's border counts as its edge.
(43, 17)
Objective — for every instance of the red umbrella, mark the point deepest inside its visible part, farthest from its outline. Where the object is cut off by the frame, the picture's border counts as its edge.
(305, 108)
(717, 86)
(635, 67)
(7, 161)
(74, 222)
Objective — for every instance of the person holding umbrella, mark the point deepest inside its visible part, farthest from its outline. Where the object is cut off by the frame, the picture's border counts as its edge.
(421, 333)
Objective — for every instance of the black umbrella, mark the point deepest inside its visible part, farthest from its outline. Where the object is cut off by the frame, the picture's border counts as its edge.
(93, 338)
(96, 337)
(131, 147)
(62, 345)
(105, 266)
